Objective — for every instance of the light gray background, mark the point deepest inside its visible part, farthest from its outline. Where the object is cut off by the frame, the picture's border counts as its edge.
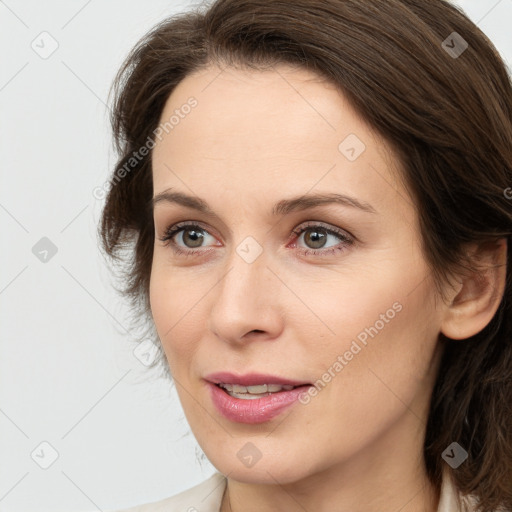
(68, 376)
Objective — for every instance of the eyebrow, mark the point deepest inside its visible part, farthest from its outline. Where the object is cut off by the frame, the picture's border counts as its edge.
(282, 207)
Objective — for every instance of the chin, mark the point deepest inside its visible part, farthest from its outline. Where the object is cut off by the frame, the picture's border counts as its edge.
(271, 468)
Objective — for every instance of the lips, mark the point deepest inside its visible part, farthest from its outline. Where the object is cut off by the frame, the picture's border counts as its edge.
(253, 398)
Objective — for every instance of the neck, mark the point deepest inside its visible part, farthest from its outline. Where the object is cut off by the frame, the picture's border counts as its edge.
(410, 496)
(388, 477)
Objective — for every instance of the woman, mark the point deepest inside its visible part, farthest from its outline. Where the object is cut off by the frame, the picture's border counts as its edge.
(313, 196)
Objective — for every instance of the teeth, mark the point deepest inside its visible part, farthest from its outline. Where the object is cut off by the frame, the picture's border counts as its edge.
(252, 392)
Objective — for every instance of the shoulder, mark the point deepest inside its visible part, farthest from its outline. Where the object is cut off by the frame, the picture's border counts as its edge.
(451, 500)
(205, 497)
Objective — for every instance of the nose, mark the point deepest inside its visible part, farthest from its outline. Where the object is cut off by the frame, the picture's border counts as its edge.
(246, 302)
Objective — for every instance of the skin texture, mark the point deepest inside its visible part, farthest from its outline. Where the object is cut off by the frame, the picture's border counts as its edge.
(255, 138)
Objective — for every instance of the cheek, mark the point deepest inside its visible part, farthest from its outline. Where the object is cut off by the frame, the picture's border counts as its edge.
(375, 369)
(172, 306)
(179, 306)
(387, 325)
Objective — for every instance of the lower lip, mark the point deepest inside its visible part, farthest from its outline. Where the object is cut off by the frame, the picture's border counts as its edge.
(256, 410)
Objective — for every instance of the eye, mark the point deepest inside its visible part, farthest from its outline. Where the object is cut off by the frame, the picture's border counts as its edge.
(321, 240)
(186, 237)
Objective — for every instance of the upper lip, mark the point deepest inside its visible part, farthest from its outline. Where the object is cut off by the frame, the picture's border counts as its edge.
(251, 379)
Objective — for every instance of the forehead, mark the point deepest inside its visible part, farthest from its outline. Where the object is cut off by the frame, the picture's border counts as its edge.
(284, 127)
(276, 108)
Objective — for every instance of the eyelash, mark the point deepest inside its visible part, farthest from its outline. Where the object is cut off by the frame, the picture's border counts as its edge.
(172, 231)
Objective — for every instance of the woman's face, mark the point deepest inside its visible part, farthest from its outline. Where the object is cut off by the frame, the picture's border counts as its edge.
(302, 266)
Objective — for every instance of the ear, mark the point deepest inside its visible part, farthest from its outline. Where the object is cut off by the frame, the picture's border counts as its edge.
(476, 298)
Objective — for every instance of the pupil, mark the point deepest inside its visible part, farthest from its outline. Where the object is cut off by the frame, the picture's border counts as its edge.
(316, 237)
(195, 238)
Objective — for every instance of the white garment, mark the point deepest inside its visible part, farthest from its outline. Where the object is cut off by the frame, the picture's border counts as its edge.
(207, 497)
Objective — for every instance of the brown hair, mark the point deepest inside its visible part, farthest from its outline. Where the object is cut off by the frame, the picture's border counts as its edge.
(447, 117)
